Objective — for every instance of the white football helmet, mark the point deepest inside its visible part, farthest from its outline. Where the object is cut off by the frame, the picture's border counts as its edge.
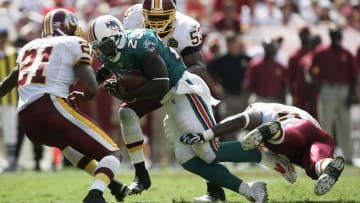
(107, 37)
(61, 22)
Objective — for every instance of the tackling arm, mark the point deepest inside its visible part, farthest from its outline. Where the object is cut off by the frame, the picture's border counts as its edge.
(246, 120)
(87, 80)
(9, 82)
(194, 60)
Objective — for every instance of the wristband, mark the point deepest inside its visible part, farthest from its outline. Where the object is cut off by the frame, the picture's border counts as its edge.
(208, 134)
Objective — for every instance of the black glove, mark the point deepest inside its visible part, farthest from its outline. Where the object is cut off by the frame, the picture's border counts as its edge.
(102, 74)
(192, 138)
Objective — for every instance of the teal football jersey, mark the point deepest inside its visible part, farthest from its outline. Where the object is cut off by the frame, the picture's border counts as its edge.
(139, 45)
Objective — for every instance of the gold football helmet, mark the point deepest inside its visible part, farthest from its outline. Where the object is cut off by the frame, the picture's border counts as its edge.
(159, 15)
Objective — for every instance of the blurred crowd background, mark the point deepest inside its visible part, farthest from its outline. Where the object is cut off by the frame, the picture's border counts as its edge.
(237, 36)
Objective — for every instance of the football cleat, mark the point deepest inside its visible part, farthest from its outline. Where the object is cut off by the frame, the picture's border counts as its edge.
(214, 194)
(330, 175)
(257, 192)
(118, 190)
(260, 134)
(209, 198)
(283, 166)
(94, 196)
(138, 186)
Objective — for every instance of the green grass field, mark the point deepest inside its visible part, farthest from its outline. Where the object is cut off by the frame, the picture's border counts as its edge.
(169, 185)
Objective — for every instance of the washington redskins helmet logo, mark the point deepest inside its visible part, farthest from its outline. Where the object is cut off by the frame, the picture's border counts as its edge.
(61, 22)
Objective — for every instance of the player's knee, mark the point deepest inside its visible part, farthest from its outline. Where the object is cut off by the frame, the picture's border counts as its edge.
(72, 155)
(127, 116)
(208, 158)
(130, 126)
(111, 162)
(205, 153)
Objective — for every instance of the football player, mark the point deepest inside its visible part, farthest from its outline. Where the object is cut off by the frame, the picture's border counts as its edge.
(46, 68)
(183, 34)
(285, 130)
(185, 97)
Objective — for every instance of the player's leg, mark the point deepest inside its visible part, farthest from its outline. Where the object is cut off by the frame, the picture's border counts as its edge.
(320, 165)
(63, 126)
(183, 153)
(89, 165)
(252, 191)
(233, 152)
(191, 113)
(129, 116)
(174, 127)
(318, 160)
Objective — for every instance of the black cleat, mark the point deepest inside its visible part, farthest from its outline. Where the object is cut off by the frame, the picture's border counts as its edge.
(260, 134)
(138, 186)
(94, 196)
(141, 181)
(330, 176)
(118, 190)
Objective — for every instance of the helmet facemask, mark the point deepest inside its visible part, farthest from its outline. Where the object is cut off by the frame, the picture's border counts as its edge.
(107, 47)
(160, 19)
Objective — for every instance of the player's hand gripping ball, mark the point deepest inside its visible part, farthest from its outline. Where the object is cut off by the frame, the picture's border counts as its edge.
(123, 83)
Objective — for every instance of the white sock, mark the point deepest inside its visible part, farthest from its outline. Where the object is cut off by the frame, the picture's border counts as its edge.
(321, 165)
(98, 185)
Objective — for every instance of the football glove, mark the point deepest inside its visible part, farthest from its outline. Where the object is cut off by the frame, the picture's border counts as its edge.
(110, 86)
(102, 74)
(192, 138)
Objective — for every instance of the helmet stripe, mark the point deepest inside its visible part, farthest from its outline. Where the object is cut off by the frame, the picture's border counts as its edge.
(156, 4)
(47, 25)
(92, 36)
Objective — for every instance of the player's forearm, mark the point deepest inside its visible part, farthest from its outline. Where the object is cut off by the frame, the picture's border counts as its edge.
(9, 82)
(195, 61)
(229, 125)
(232, 124)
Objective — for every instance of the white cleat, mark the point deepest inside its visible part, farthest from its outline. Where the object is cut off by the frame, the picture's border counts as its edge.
(282, 165)
(286, 169)
(331, 174)
(257, 192)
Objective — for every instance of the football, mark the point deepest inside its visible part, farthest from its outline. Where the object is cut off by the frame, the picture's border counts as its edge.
(132, 79)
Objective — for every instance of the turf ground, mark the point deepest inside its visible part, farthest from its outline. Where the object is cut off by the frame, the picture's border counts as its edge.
(169, 185)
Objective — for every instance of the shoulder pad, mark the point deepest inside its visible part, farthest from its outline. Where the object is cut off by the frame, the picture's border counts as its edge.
(187, 30)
